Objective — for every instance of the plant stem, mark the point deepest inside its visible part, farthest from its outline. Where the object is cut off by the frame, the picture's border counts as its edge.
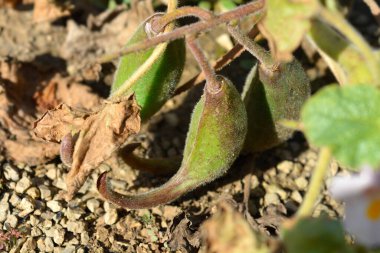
(159, 23)
(337, 21)
(212, 84)
(145, 67)
(316, 184)
(226, 59)
(263, 56)
(256, 7)
(375, 9)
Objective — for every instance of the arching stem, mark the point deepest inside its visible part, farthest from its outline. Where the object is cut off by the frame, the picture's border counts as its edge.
(256, 7)
(257, 51)
(212, 84)
(159, 23)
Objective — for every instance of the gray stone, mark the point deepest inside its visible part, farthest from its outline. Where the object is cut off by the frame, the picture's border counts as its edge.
(93, 205)
(54, 205)
(11, 173)
(45, 192)
(23, 184)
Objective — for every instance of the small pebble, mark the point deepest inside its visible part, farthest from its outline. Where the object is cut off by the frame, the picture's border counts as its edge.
(12, 220)
(75, 226)
(4, 207)
(74, 213)
(301, 183)
(59, 236)
(296, 196)
(28, 246)
(41, 245)
(93, 204)
(15, 200)
(69, 249)
(23, 184)
(33, 192)
(110, 217)
(54, 205)
(271, 198)
(27, 207)
(35, 231)
(49, 245)
(285, 167)
(11, 173)
(84, 238)
(45, 192)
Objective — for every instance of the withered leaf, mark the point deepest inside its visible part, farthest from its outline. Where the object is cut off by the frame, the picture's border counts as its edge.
(56, 123)
(227, 231)
(100, 133)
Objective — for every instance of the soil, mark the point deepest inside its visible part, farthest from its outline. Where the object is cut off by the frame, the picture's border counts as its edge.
(41, 51)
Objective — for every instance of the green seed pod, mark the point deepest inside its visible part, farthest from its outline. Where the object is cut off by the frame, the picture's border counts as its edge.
(271, 96)
(157, 85)
(216, 135)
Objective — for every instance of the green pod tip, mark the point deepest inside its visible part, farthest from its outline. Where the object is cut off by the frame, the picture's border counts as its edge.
(215, 138)
(271, 96)
(157, 84)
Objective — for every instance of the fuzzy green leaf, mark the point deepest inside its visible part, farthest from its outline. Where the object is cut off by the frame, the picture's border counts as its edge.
(316, 235)
(286, 23)
(347, 120)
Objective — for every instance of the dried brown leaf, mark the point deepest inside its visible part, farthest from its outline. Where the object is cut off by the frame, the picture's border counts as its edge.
(56, 123)
(228, 232)
(101, 134)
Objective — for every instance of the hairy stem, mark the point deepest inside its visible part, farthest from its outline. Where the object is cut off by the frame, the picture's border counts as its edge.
(146, 66)
(337, 21)
(159, 23)
(256, 7)
(212, 84)
(226, 59)
(316, 184)
(257, 51)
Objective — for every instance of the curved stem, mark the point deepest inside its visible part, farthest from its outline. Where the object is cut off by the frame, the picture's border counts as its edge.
(146, 66)
(337, 21)
(160, 23)
(256, 7)
(212, 83)
(168, 192)
(263, 56)
(316, 184)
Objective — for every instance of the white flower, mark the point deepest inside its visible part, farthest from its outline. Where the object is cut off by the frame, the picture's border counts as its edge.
(361, 194)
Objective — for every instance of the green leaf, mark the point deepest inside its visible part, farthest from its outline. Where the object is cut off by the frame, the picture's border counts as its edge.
(344, 59)
(315, 235)
(286, 23)
(347, 120)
